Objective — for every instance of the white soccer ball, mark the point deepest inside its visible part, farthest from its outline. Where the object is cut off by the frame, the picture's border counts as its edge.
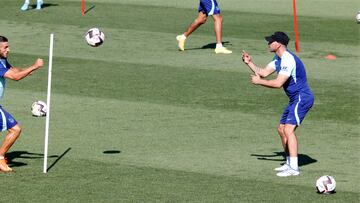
(358, 17)
(94, 37)
(326, 184)
(39, 108)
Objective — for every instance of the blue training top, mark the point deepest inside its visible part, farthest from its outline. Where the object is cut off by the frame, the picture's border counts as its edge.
(4, 67)
(289, 64)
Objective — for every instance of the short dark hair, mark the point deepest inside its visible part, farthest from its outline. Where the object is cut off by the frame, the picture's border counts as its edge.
(3, 39)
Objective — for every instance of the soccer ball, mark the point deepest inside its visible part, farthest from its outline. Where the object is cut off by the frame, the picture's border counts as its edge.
(94, 37)
(326, 184)
(358, 17)
(39, 108)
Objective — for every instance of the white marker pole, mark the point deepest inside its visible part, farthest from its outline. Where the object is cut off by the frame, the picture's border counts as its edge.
(48, 103)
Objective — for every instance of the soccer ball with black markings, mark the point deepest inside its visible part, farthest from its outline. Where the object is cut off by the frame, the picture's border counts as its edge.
(358, 17)
(94, 37)
(326, 185)
(39, 108)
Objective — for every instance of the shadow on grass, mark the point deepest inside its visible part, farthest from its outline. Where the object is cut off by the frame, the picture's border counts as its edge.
(33, 6)
(209, 46)
(89, 9)
(58, 159)
(12, 158)
(112, 152)
(280, 156)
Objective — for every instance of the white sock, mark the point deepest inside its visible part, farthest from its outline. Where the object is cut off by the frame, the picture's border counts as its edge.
(27, 2)
(294, 163)
(288, 160)
(219, 45)
(183, 36)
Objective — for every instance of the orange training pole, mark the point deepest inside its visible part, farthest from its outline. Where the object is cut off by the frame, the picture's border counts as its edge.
(83, 7)
(296, 29)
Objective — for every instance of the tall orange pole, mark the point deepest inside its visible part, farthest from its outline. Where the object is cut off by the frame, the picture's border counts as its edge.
(296, 29)
(83, 7)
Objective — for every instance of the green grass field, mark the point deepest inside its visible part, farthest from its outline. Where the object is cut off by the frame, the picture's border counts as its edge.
(135, 120)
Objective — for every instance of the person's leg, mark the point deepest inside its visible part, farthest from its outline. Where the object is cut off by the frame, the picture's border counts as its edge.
(9, 140)
(218, 20)
(292, 145)
(293, 115)
(39, 4)
(218, 27)
(281, 132)
(201, 19)
(283, 138)
(25, 6)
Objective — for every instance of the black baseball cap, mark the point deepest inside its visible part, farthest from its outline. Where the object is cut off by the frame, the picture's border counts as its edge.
(278, 36)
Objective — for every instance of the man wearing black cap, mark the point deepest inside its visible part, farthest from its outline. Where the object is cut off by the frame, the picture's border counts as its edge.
(292, 77)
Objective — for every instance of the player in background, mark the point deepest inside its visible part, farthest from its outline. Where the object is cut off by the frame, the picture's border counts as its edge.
(292, 77)
(7, 122)
(25, 6)
(206, 8)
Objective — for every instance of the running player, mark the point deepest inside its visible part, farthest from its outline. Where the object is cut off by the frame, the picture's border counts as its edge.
(206, 8)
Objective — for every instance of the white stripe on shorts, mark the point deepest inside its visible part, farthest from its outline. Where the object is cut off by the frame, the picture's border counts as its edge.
(3, 119)
(212, 8)
(296, 112)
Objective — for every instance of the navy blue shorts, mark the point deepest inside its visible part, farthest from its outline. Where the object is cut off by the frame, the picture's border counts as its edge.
(6, 120)
(209, 7)
(296, 110)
